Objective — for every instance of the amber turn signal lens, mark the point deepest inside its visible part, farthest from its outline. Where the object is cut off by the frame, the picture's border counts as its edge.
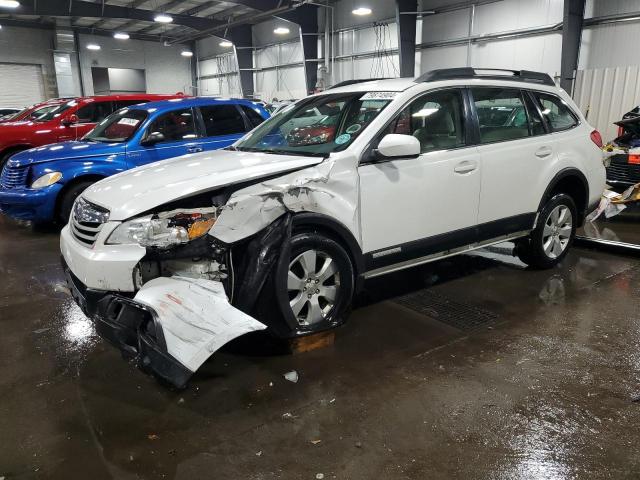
(199, 228)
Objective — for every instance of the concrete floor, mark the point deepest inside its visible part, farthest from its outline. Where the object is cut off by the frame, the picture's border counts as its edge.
(546, 389)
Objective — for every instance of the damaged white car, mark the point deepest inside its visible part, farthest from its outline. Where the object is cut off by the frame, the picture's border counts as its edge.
(278, 231)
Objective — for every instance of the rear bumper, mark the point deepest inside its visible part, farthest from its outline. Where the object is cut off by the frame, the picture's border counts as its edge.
(30, 204)
(131, 327)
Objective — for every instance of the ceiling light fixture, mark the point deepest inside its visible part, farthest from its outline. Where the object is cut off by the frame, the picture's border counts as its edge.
(226, 44)
(281, 31)
(121, 36)
(186, 53)
(362, 11)
(163, 18)
(93, 46)
(9, 4)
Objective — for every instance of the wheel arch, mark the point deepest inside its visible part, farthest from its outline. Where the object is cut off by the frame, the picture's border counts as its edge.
(90, 177)
(572, 182)
(334, 230)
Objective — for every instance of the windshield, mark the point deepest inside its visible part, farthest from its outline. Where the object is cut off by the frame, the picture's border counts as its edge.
(49, 113)
(318, 126)
(117, 127)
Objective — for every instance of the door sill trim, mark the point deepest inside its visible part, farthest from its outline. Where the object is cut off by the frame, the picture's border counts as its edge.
(447, 253)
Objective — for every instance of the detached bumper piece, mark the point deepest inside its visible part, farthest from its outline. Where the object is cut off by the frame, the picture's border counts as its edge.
(133, 329)
(170, 328)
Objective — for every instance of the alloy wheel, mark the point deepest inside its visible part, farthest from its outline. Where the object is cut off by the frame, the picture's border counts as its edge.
(557, 231)
(313, 281)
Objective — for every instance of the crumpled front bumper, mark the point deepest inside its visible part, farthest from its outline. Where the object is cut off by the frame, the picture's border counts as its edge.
(170, 328)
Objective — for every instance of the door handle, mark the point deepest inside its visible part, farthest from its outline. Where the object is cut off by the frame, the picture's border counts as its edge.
(543, 152)
(465, 167)
(194, 149)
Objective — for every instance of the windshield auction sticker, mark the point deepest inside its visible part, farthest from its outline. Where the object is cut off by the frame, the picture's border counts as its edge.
(379, 96)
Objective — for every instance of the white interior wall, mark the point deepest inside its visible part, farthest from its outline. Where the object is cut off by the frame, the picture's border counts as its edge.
(31, 46)
(217, 60)
(271, 50)
(541, 52)
(166, 70)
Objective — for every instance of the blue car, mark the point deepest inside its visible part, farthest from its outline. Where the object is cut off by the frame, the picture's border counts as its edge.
(41, 184)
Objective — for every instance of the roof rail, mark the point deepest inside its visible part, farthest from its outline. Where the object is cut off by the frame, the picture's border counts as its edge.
(352, 82)
(492, 73)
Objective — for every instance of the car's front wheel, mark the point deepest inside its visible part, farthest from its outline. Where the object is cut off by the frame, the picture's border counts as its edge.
(311, 290)
(549, 242)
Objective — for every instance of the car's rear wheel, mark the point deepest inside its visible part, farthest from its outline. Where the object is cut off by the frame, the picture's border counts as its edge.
(549, 242)
(311, 290)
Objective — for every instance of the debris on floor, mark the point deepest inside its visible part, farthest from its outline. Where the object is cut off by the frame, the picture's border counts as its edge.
(612, 203)
(292, 376)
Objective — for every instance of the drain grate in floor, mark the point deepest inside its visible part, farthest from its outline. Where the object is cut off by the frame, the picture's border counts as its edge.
(445, 310)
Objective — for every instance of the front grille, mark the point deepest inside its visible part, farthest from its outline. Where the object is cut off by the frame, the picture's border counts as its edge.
(13, 177)
(87, 220)
(623, 172)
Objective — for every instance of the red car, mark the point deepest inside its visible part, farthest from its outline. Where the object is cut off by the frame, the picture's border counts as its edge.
(33, 111)
(69, 120)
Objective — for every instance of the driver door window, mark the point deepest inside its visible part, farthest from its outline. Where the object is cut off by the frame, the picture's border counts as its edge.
(180, 137)
(435, 119)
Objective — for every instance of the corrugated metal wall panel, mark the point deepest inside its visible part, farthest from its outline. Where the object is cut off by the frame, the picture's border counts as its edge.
(605, 94)
(30, 81)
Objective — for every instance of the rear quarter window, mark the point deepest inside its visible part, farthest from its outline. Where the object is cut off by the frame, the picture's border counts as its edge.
(557, 113)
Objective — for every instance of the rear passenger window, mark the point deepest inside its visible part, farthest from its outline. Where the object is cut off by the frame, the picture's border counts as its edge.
(501, 114)
(175, 126)
(222, 120)
(254, 117)
(435, 119)
(559, 116)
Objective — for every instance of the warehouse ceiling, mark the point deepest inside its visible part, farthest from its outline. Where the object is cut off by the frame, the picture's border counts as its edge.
(136, 17)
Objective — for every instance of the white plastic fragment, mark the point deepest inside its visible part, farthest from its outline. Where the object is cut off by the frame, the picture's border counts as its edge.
(196, 317)
(292, 376)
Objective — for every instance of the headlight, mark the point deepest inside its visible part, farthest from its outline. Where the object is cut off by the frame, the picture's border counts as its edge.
(165, 229)
(46, 180)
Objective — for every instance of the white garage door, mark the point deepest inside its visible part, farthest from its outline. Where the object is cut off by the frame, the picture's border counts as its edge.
(20, 85)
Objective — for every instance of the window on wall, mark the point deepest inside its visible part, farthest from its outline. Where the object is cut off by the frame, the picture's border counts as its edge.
(435, 119)
(501, 114)
(222, 120)
(94, 112)
(558, 114)
(175, 126)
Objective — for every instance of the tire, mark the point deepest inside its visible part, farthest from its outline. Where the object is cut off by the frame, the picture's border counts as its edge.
(292, 305)
(550, 241)
(65, 203)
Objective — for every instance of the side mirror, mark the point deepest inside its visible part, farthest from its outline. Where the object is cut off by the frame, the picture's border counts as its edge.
(70, 120)
(153, 138)
(395, 145)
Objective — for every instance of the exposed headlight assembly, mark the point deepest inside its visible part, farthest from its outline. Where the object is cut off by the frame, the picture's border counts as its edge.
(46, 180)
(165, 229)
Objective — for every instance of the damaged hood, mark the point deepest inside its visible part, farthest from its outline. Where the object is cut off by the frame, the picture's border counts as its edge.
(136, 191)
(631, 125)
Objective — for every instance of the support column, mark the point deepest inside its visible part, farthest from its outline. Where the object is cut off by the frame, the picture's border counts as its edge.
(406, 23)
(571, 38)
(243, 45)
(306, 17)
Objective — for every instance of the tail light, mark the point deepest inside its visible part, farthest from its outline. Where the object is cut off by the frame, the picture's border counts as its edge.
(620, 131)
(633, 159)
(596, 138)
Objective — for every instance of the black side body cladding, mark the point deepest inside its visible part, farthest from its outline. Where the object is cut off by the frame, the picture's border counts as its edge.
(448, 241)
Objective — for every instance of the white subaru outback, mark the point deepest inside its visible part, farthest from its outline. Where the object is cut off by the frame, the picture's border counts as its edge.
(174, 259)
